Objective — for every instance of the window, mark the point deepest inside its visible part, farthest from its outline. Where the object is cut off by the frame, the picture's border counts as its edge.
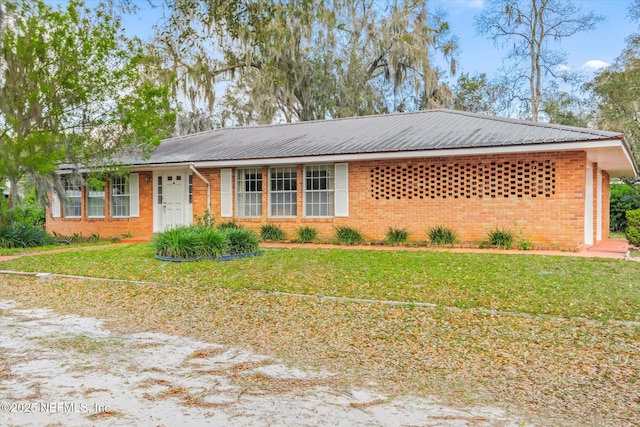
(318, 190)
(95, 201)
(160, 190)
(191, 189)
(72, 206)
(283, 191)
(120, 201)
(249, 192)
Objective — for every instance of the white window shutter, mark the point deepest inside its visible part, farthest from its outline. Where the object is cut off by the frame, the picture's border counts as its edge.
(134, 197)
(342, 189)
(226, 199)
(55, 205)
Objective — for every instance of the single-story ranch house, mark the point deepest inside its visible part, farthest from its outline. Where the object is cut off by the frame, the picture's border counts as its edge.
(469, 172)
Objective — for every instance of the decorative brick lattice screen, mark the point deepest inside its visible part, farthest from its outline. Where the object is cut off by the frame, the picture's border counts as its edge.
(444, 180)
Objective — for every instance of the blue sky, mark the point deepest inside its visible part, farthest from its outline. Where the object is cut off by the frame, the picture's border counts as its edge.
(586, 51)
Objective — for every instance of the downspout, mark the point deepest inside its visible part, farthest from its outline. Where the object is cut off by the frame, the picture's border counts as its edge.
(195, 171)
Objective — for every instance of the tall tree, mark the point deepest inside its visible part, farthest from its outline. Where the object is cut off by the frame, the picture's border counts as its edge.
(478, 94)
(617, 91)
(74, 89)
(527, 28)
(305, 59)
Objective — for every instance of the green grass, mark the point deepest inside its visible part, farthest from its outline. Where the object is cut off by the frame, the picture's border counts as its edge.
(584, 287)
(18, 251)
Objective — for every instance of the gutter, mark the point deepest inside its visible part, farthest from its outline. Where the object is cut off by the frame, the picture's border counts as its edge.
(195, 171)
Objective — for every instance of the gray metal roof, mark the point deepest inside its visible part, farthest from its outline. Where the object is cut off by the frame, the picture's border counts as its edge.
(406, 132)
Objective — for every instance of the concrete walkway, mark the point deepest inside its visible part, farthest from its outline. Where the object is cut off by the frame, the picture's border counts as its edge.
(607, 248)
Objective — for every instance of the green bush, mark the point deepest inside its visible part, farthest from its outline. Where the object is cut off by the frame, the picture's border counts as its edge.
(29, 212)
(179, 242)
(624, 197)
(501, 237)
(442, 235)
(396, 235)
(348, 235)
(214, 243)
(205, 221)
(633, 227)
(525, 245)
(240, 241)
(197, 242)
(229, 224)
(306, 234)
(23, 236)
(271, 232)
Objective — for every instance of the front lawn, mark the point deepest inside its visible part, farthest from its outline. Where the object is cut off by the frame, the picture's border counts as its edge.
(592, 288)
(550, 370)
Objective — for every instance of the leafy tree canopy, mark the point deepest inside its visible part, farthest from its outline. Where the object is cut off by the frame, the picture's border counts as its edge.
(75, 90)
(296, 60)
(617, 91)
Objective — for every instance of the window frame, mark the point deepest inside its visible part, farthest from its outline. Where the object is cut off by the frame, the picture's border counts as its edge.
(71, 184)
(293, 178)
(242, 193)
(93, 189)
(329, 181)
(126, 184)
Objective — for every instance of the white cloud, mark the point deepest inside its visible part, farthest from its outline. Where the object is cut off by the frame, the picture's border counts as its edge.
(595, 64)
(466, 4)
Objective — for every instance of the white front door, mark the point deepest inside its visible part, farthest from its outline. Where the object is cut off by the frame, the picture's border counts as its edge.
(172, 188)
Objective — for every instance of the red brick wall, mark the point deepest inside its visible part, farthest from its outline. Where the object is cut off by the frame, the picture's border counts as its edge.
(553, 221)
(109, 227)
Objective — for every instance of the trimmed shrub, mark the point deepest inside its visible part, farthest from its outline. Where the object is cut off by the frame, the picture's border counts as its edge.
(271, 232)
(525, 245)
(442, 235)
(633, 227)
(306, 234)
(348, 235)
(396, 235)
(229, 224)
(179, 242)
(501, 237)
(214, 243)
(197, 242)
(23, 236)
(240, 241)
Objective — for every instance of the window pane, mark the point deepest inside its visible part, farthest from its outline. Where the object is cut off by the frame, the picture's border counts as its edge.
(95, 201)
(119, 196)
(283, 194)
(249, 192)
(72, 204)
(319, 190)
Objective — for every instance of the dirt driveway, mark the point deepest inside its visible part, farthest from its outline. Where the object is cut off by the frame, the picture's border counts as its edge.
(71, 371)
